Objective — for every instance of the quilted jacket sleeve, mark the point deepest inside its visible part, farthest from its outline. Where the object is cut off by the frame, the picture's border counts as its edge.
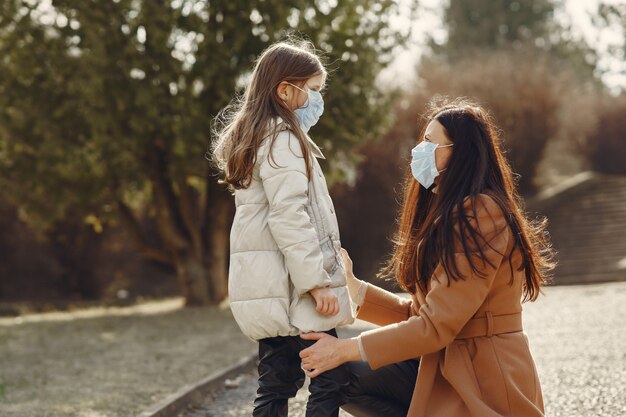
(449, 304)
(286, 186)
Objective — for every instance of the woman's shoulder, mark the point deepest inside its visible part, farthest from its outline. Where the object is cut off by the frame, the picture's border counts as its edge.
(485, 215)
(483, 204)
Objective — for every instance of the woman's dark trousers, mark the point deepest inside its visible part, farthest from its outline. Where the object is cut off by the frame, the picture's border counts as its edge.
(385, 392)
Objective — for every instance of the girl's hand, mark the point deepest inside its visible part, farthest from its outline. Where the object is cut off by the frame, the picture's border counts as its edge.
(353, 282)
(326, 301)
(327, 353)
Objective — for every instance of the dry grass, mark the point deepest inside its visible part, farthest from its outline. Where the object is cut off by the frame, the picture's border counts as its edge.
(111, 362)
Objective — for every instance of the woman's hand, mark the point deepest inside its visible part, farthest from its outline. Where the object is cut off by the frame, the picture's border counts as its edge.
(353, 282)
(327, 353)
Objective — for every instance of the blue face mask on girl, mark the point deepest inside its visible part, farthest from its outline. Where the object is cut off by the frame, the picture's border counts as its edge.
(423, 166)
(311, 111)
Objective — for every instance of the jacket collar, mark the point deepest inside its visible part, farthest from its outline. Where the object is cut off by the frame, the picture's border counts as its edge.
(315, 150)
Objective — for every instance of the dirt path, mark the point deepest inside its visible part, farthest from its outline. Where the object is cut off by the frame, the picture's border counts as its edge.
(117, 362)
(577, 339)
(111, 362)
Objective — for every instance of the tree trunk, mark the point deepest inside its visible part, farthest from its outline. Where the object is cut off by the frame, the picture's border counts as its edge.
(197, 246)
(175, 228)
(192, 276)
(219, 213)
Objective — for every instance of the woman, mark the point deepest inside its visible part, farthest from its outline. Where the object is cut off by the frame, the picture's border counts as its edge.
(468, 257)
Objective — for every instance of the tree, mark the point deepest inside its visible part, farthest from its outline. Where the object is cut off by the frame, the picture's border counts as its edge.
(521, 89)
(496, 24)
(106, 107)
(613, 16)
(367, 210)
(516, 60)
(518, 36)
(605, 144)
(522, 94)
(475, 25)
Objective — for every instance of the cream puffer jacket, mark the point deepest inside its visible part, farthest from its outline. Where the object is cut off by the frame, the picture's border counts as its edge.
(284, 242)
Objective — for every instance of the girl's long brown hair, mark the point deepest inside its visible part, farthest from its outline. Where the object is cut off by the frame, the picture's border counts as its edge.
(477, 166)
(243, 125)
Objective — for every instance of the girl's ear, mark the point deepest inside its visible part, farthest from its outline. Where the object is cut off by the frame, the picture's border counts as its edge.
(282, 91)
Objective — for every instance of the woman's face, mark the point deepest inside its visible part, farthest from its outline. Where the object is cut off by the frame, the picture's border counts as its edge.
(436, 133)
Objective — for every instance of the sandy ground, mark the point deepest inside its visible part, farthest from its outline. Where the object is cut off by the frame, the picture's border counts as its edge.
(578, 339)
(110, 362)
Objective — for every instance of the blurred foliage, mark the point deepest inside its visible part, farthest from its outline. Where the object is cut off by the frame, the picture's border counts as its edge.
(106, 106)
(605, 144)
(519, 62)
(87, 87)
(511, 24)
(495, 24)
(613, 15)
(366, 211)
(520, 88)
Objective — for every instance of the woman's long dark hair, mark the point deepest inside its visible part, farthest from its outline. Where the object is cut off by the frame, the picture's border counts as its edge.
(477, 166)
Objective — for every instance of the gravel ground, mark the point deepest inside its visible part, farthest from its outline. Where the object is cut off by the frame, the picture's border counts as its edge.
(111, 362)
(577, 337)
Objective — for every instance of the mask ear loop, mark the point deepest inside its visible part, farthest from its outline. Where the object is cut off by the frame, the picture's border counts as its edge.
(305, 92)
(444, 146)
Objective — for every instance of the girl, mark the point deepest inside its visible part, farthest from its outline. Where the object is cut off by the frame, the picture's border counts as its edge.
(467, 255)
(286, 275)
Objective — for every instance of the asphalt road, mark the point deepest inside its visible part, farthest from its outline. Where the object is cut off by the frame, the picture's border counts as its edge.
(578, 339)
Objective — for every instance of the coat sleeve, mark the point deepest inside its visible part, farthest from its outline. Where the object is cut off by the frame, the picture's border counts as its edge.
(382, 307)
(286, 187)
(449, 304)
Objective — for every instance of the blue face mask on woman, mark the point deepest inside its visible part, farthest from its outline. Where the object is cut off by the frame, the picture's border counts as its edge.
(312, 110)
(423, 165)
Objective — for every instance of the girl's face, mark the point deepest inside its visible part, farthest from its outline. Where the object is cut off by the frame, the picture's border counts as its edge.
(295, 97)
(436, 133)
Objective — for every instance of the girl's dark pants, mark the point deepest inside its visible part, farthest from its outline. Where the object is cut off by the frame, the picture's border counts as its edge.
(385, 392)
(281, 376)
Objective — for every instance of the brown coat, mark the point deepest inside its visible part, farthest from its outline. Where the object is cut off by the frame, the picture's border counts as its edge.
(475, 359)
